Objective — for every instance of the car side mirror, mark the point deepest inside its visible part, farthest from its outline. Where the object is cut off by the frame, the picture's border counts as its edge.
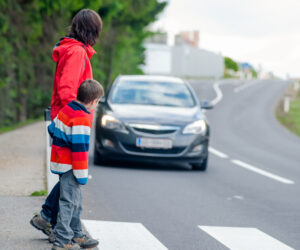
(206, 105)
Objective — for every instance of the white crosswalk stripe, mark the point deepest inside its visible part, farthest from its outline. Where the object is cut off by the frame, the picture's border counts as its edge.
(122, 235)
(134, 236)
(238, 238)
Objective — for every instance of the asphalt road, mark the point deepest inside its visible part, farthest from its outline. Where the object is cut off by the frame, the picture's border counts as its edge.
(252, 180)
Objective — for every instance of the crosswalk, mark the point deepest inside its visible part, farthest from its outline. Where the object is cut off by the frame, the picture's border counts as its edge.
(122, 235)
(237, 238)
(135, 236)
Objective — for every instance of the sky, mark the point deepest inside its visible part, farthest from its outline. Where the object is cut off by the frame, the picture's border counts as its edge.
(265, 33)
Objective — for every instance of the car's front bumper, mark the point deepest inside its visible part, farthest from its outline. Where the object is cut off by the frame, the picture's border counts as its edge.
(119, 146)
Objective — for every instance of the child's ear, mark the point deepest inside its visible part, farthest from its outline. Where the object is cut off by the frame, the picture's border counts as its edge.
(95, 102)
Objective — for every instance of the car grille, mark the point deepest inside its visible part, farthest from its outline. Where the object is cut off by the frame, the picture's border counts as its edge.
(153, 129)
(132, 148)
(155, 132)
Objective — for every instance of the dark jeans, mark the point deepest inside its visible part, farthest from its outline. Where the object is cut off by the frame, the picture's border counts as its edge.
(51, 206)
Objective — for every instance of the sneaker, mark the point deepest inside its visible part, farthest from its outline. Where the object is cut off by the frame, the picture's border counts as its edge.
(52, 237)
(86, 242)
(69, 246)
(40, 223)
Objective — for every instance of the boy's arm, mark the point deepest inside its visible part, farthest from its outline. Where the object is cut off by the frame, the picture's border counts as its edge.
(81, 130)
(51, 128)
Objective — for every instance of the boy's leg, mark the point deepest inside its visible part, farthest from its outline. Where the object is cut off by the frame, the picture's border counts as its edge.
(50, 207)
(46, 219)
(68, 191)
(75, 222)
(83, 240)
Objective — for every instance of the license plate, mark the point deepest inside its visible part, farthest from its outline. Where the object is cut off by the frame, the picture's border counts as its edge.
(153, 143)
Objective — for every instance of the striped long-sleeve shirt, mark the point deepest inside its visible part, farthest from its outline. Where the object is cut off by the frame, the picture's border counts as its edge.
(71, 131)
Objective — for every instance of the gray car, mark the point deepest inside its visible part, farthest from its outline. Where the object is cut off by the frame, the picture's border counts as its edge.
(152, 118)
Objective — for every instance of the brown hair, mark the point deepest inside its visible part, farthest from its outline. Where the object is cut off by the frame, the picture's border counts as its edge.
(89, 90)
(86, 26)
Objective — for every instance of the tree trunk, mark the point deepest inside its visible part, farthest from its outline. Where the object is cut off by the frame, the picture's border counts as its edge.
(110, 64)
(21, 103)
(23, 109)
(110, 58)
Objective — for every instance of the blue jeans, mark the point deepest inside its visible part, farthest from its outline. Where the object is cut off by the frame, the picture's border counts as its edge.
(51, 206)
(68, 224)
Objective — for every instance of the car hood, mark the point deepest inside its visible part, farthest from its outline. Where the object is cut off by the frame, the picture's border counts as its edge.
(156, 114)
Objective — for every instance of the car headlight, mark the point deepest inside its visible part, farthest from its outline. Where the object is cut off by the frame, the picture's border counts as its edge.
(197, 127)
(110, 122)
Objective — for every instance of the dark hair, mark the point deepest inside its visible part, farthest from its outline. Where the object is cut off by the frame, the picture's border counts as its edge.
(89, 90)
(86, 27)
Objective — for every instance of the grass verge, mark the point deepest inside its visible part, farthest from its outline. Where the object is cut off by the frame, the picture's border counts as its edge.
(290, 120)
(39, 193)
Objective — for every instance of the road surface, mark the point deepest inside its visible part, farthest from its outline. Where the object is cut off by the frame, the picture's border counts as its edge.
(247, 199)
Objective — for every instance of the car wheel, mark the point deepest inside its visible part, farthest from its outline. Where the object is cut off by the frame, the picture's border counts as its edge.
(98, 158)
(200, 166)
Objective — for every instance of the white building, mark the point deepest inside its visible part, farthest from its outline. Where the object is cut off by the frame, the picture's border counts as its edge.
(158, 59)
(188, 61)
(182, 60)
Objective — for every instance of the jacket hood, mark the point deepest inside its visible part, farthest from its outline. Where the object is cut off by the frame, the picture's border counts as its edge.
(65, 44)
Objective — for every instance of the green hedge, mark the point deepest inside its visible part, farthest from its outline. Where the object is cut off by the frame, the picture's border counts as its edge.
(30, 29)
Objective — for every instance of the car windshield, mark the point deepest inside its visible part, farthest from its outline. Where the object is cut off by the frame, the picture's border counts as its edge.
(152, 93)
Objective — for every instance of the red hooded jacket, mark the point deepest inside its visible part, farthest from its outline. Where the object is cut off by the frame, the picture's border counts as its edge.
(72, 68)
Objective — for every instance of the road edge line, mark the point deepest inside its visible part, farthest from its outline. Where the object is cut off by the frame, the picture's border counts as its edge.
(262, 172)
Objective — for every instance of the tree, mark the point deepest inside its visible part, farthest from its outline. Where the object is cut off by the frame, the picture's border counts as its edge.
(230, 64)
(121, 43)
(29, 29)
(254, 73)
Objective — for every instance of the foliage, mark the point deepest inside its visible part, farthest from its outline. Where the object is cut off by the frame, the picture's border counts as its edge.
(30, 28)
(254, 73)
(121, 44)
(291, 119)
(39, 193)
(231, 64)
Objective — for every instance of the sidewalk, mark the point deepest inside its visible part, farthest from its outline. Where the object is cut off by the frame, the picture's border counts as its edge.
(15, 232)
(22, 168)
(22, 160)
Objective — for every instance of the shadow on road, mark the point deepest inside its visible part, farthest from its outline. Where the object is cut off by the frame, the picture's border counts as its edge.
(147, 166)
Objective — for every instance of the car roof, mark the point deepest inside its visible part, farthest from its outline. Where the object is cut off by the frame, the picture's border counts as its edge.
(152, 78)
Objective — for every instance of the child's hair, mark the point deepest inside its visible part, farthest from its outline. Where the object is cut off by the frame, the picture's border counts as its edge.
(89, 90)
(86, 26)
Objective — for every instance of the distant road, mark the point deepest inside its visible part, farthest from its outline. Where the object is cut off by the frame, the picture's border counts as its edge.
(247, 199)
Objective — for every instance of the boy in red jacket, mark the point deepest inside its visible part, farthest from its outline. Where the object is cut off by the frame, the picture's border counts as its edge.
(70, 132)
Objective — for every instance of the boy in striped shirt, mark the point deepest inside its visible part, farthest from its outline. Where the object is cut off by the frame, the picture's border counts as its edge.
(70, 131)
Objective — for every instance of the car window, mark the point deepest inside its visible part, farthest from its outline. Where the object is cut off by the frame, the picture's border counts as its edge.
(152, 93)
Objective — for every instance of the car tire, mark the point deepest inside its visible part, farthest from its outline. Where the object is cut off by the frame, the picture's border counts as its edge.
(98, 158)
(202, 166)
